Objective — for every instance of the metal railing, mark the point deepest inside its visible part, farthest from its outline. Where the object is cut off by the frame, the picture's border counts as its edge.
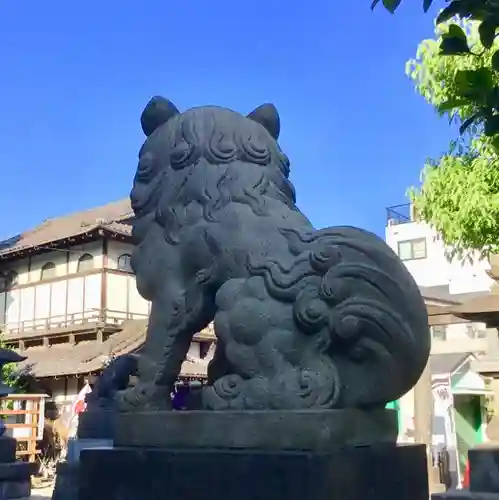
(104, 316)
(399, 214)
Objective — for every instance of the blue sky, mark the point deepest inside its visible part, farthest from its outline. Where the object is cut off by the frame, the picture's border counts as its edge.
(76, 75)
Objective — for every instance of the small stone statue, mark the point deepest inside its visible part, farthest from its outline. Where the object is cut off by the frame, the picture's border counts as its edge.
(305, 318)
(115, 377)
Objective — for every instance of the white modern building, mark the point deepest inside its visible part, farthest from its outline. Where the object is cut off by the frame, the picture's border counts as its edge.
(442, 281)
(456, 344)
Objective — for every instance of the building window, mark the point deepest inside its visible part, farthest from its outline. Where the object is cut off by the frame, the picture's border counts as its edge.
(475, 332)
(481, 333)
(124, 262)
(85, 263)
(48, 271)
(412, 249)
(470, 331)
(439, 332)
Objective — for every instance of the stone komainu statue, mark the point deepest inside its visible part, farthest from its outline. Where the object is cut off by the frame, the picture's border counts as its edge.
(305, 318)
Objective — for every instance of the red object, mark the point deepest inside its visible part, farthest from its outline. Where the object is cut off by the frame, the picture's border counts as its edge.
(80, 406)
(466, 476)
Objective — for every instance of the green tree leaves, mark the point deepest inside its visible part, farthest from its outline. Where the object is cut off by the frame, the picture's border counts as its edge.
(459, 198)
(10, 376)
(478, 89)
(487, 31)
(458, 74)
(454, 42)
(474, 84)
(460, 189)
(495, 60)
(390, 5)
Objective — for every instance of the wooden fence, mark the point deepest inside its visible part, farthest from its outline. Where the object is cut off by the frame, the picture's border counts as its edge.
(25, 424)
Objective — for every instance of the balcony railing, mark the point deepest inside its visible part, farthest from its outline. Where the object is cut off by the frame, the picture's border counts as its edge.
(399, 214)
(105, 316)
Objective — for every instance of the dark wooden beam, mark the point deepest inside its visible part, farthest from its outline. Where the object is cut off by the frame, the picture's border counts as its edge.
(105, 266)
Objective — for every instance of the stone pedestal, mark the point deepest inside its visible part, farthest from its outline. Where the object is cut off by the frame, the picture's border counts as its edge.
(382, 472)
(67, 473)
(15, 476)
(96, 424)
(484, 476)
(66, 481)
(314, 430)
(95, 430)
(278, 455)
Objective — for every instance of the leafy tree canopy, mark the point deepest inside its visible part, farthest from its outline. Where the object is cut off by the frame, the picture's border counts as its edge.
(460, 193)
(457, 72)
(475, 87)
(10, 375)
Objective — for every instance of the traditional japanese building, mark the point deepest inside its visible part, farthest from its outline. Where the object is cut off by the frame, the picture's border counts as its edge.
(68, 300)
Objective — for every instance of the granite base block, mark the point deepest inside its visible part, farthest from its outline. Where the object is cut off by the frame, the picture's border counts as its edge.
(66, 481)
(314, 430)
(484, 468)
(15, 479)
(382, 472)
(17, 471)
(75, 447)
(15, 489)
(96, 424)
(8, 447)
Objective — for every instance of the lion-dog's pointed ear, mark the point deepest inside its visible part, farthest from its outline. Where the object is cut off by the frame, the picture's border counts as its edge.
(157, 112)
(267, 116)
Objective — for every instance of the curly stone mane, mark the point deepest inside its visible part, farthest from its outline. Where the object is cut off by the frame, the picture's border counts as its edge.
(209, 157)
(304, 318)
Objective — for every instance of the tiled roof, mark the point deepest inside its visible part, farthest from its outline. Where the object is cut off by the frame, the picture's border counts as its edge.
(90, 356)
(112, 217)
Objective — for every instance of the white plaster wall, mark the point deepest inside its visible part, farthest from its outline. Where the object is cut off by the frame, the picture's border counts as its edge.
(29, 270)
(116, 292)
(459, 341)
(138, 305)
(48, 299)
(195, 350)
(94, 248)
(114, 250)
(12, 306)
(122, 295)
(436, 270)
(60, 257)
(31, 306)
(63, 393)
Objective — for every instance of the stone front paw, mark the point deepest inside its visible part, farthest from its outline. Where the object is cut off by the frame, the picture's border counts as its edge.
(144, 397)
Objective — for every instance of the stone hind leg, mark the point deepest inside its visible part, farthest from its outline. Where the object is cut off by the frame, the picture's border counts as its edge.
(155, 394)
(219, 365)
(175, 350)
